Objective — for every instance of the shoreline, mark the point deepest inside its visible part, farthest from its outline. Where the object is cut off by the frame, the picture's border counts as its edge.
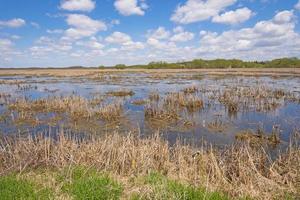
(89, 71)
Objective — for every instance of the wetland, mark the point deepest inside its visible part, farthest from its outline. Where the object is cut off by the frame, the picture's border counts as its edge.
(191, 126)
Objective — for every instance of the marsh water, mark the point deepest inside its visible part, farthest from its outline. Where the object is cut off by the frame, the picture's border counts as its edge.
(212, 123)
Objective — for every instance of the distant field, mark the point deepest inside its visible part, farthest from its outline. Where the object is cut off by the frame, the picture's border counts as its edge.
(88, 71)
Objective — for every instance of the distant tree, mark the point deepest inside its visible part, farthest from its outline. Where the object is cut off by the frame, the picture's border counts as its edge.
(120, 66)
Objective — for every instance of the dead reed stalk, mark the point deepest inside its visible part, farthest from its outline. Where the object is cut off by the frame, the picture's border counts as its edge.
(239, 170)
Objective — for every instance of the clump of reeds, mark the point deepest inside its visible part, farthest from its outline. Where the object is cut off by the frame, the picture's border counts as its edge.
(154, 96)
(121, 93)
(110, 112)
(157, 112)
(239, 170)
(190, 102)
(190, 90)
(139, 102)
(217, 125)
(26, 87)
(260, 137)
(74, 108)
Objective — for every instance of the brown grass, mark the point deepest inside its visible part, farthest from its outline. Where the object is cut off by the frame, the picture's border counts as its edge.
(158, 112)
(239, 170)
(190, 90)
(157, 72)
(76, 109)
(190, 102)
(121, 93)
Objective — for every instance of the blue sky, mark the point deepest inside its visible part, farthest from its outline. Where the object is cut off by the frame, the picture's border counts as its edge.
(59, 33)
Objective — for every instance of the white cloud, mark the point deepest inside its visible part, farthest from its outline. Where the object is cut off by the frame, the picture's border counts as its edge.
(8, 53)
(124, 40)
(178, 29)
(199, 10)
(13, 23)
(5, 44)
(266, 40)
(297, 6)
(131, 7)
(55, 31)
(79, 5)
(118, 38)
(159, 34)
(132, 46)
(35, 25)
(233, 17)
(284, 17)
(92, 43)
(182, 37)
(83, 26)
(45, 45)
(162, 45)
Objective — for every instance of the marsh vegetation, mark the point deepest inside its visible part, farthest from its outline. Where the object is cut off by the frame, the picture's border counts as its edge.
(149, 135)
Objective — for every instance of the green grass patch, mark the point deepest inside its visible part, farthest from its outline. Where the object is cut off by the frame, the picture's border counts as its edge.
(12, 187)
(89, 184)
(163, 188)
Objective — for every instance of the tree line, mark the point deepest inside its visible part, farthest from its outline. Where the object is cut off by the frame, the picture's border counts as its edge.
(218, 63)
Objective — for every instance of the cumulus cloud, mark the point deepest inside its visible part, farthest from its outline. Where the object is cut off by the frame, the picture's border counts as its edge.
(83, 26)
(199, 10)
(45, 45)
(266, 40)
(118, 38)
(181, 35)
(8, 52)
(13, 23)
(159, 33)
(54, 31)
(92, 43)
(78, 5)
(233, 17)
(124, 40)
(297, 6)
(131, 7)
(5, 44)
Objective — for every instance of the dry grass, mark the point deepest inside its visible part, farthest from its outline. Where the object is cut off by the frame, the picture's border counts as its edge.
(139, 102)
(190, 102)
(239, 170)
(156, 72)
(158, 112)
(190, 90)
(73, 108)
(260, 137)
(121, 93)
(154, 96)
(257, 98)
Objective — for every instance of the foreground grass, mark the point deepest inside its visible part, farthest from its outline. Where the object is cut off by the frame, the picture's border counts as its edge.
(86, 183)
(128, 167)
(13, 187)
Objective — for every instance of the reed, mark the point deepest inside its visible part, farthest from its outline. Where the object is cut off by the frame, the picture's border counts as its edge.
(73, 108)
(239, 170)
(190, 102)
(190, 90)
(158, 112)
(154, 96)
(121, 93)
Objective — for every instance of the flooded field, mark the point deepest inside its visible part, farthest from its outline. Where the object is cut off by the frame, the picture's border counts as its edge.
(194, 107)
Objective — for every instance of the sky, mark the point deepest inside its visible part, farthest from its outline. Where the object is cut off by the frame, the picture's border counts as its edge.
(62, 33)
